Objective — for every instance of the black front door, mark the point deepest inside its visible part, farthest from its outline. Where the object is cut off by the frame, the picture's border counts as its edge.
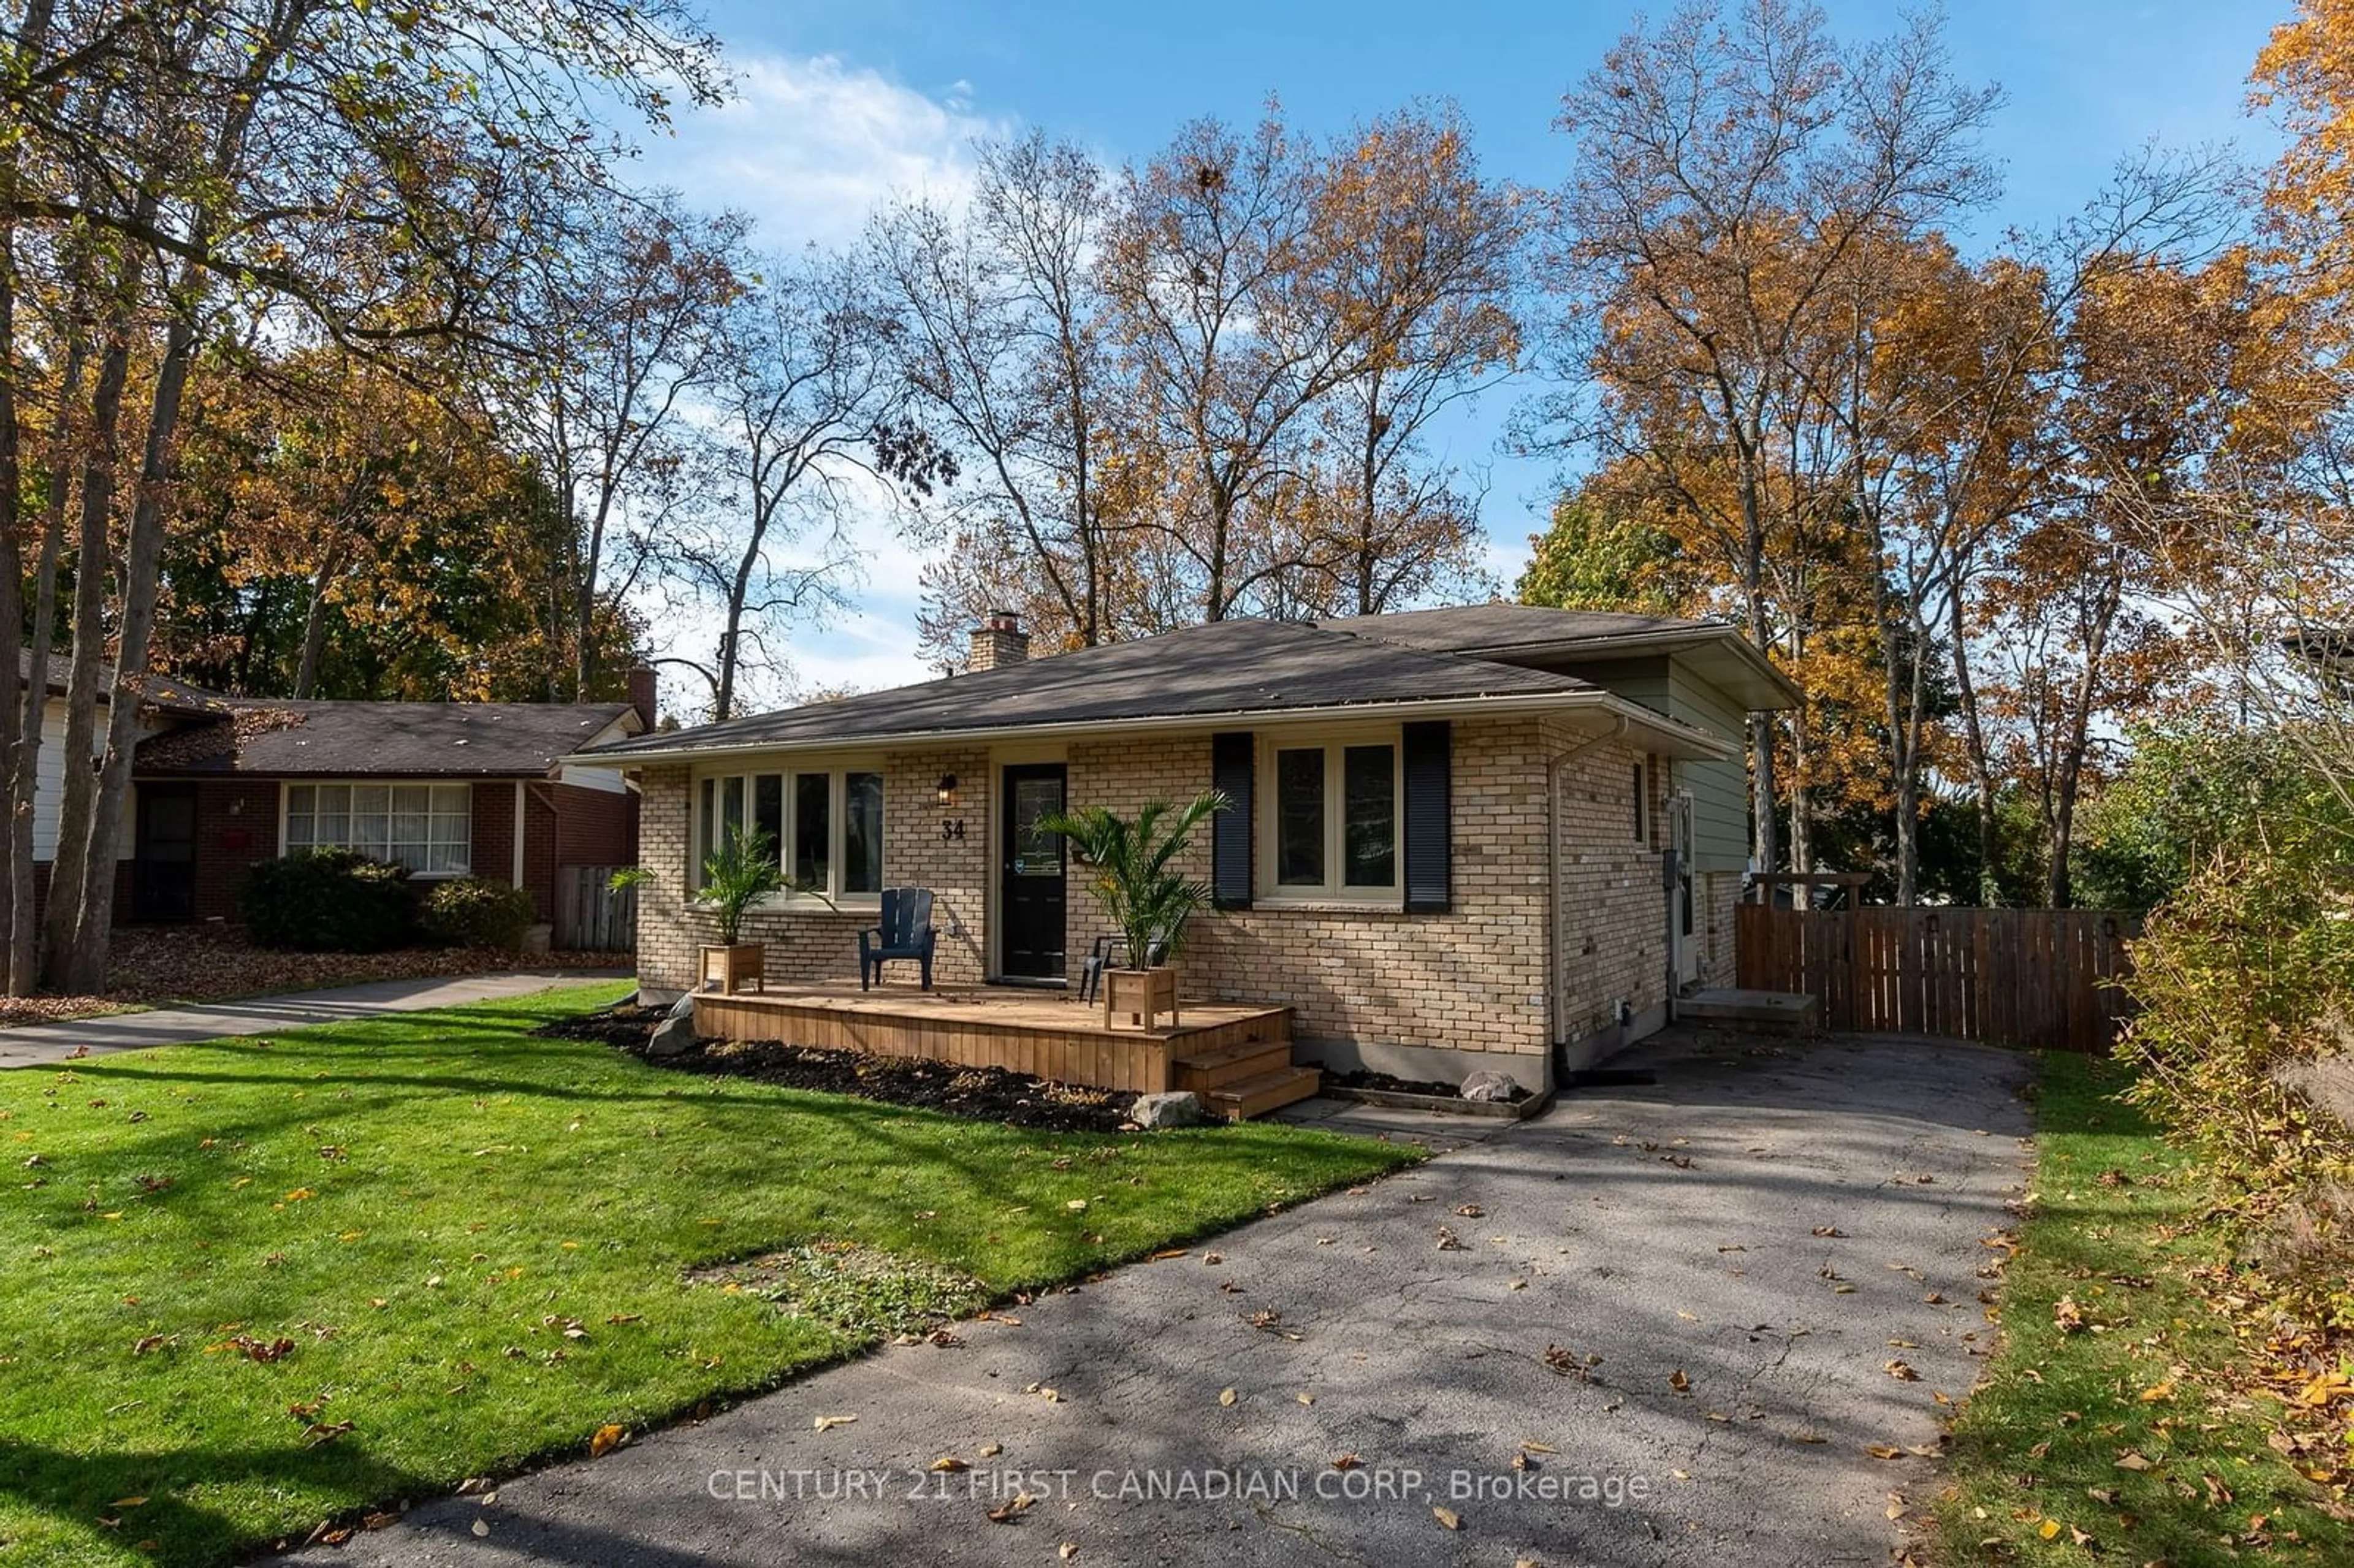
(164, 853)
(1030, 902)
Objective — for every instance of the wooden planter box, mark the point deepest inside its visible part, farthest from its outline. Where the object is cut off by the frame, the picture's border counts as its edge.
(736, 968)
(1142, 994)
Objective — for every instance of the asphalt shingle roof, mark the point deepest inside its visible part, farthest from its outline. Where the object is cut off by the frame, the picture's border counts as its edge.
(280, 737)
(1466, 627)
(1226, 667)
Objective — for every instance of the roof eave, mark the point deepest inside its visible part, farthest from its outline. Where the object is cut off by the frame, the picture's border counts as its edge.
(1248, 718)
(1662, 642)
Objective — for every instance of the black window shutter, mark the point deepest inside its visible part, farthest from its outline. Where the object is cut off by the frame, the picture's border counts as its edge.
(1231, 754)
(1429, 817)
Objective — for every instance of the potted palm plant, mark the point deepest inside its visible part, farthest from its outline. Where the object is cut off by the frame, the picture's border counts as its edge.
(1132, 867)
(738, 875)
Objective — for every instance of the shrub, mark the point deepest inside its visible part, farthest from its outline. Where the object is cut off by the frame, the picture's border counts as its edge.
(328, 901)
(2241, 982)
(472, 912)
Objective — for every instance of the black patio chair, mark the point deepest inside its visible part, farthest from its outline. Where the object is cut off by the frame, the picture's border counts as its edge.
(1099, 959)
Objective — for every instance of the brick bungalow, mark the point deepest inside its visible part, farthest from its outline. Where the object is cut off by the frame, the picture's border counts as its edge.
(220, 783)
(1458, 835)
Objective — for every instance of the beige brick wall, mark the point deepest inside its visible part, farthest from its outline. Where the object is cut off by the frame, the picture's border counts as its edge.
(1612, 904)
(1720, 895)
(808, 943)
(1470, 979)
(1474, 978)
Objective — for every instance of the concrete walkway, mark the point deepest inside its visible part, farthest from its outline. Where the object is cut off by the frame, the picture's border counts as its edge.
(39, 1044)
(1689, 1310)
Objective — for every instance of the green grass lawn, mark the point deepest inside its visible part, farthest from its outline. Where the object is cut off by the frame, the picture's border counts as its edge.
(2119, 1439)
(472, 1246)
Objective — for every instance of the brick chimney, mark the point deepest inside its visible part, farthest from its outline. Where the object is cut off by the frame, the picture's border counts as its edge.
(998, 640)
(642, 694)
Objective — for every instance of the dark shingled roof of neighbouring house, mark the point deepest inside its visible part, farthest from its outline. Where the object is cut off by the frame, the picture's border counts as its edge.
(273, 736)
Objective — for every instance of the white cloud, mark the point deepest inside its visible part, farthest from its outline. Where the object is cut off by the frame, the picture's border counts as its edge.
(810, 144)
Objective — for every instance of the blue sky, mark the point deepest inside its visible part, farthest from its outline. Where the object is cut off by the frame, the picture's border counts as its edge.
(844, 102)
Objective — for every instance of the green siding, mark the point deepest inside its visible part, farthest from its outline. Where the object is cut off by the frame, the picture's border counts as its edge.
(1720, 790)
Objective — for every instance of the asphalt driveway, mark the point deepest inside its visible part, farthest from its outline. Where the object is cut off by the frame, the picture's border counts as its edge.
(1707, 1321)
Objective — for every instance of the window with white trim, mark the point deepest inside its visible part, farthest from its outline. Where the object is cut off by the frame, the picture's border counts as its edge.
(1330, 827)
(825, 826)
(428, 828)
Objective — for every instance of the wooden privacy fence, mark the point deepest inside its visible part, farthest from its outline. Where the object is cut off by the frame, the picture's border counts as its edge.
(2037, 978)
(592, 915)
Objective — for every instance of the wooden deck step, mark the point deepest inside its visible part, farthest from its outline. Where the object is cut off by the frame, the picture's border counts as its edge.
(1202, 1071)
(1247, 1097)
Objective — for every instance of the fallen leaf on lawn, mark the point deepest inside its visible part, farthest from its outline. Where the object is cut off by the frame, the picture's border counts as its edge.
(1225, 1396)
(1076, 1203)
(2156, 1393)
(1447, 1517)
(827, 1422)
(950, 1463)
(152, 1342)
(298, 1194)
(608, 1439)
(2049, 1530)
(128, 1502)
(2130, 1460)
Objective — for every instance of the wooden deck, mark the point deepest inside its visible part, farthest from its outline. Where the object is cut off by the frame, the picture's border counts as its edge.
(1238, 1058)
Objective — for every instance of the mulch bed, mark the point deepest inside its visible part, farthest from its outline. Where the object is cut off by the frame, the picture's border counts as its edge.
(1385, 1083)
(990, 1093)
(154, 966)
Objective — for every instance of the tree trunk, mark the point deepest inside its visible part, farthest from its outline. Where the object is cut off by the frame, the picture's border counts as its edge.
(314, 621)
(1974, 742)
(99, 466)
(83, 969)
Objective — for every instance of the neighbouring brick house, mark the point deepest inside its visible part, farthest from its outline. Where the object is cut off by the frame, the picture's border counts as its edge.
(221, 783)
(1457, 834)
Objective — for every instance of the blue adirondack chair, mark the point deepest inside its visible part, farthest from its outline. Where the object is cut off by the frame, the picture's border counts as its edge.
(906, 931)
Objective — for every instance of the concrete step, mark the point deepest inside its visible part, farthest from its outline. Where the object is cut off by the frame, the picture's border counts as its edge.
(1759, 1009)
(1247, 1097)
(1204, 1071)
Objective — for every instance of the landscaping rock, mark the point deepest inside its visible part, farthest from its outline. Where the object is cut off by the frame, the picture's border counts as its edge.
(1178, 1109)
(1490, 1086)
(674, 1035)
